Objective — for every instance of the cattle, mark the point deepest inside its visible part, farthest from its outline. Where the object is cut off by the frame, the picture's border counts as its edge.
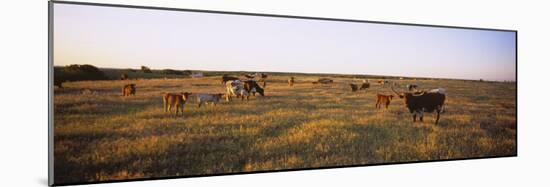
(203, 98)
(235, 88)
(419, 102)
(129, 89)
(226, 78)
(354, 87)
(177, 100)
(364, 86)
(291, 81)
(382, 99)
(412, 87)
(252, 87)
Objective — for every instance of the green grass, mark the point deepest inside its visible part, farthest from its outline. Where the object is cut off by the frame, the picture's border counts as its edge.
(104, 136)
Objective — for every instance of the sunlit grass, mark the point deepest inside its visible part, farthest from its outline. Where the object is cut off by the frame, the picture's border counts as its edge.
(100, 135)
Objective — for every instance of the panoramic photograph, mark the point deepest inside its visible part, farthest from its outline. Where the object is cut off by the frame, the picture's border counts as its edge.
(148, 93)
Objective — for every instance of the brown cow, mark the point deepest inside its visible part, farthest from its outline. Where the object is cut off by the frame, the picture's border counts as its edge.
(291, 81)
(129, 89)
(383, 100)
(175, 100)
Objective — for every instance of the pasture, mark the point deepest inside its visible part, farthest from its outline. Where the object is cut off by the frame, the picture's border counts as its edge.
(101, 135)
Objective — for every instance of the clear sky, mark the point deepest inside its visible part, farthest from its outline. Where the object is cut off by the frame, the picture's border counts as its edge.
(128, 38)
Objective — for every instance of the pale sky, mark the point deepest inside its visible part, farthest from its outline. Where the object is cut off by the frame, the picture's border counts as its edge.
(113, 37)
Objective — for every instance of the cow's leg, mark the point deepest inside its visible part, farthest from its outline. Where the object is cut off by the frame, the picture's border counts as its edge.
(169, 108)
(421, 116)
(414, 116)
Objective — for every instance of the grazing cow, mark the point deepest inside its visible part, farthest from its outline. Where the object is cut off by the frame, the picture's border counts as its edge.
(226, 78)
(291, 81)
(177, 100)
(208, 98)
(252, 87)
(235, 88)
(383, 100)
(129, 89)
(412, 87)
(364, 86)
(422, 101)
(353, 87)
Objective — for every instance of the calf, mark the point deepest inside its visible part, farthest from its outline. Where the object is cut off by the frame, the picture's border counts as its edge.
(420, 102)
(129, 89)
(291, 81)
(177, 100)
(383, 100)
(208, 98)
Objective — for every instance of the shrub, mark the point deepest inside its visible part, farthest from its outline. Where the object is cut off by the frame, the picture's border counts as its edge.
(171, 72)
(77, 72)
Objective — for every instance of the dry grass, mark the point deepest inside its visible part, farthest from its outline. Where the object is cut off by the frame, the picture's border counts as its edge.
(100, 135)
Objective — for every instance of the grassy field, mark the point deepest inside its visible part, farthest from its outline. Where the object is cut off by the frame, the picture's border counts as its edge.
(100, 135)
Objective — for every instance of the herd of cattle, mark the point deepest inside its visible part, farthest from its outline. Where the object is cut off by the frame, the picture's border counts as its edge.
(416, 101)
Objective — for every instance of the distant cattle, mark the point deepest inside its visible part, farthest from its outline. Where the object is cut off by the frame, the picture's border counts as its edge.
(364, 86)
(129, 89)
(291, 81)
(422, 101)
(383, 100)
(235, 88)
(177, 100)
(203, 98)
(226, 78)
(354, 87)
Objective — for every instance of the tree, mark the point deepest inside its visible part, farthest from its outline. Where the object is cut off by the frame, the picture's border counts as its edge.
(146, 69)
